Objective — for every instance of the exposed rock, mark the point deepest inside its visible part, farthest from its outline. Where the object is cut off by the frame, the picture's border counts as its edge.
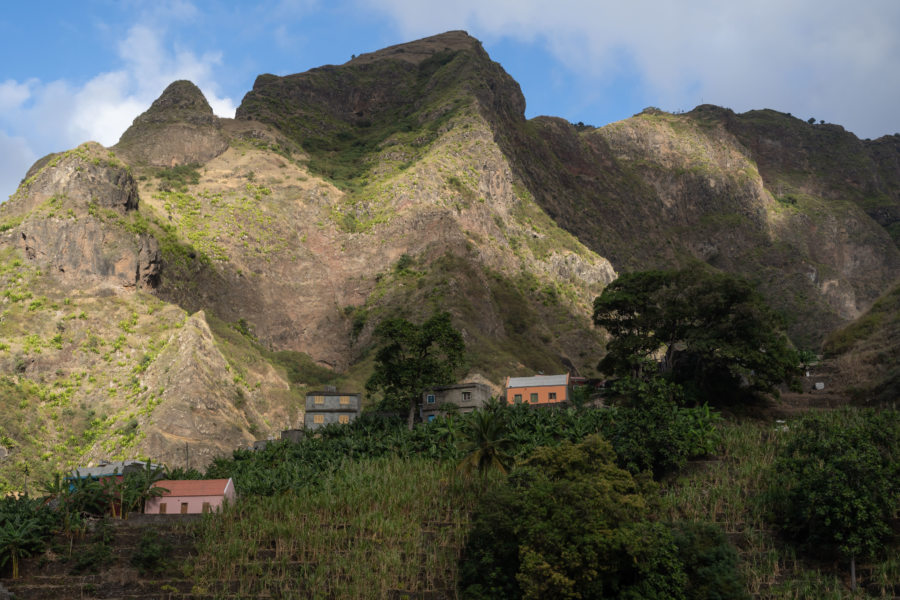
(72, 215)
(419, 50)
(179, 128)
(87, 175)
(196, 420)
(87, 252)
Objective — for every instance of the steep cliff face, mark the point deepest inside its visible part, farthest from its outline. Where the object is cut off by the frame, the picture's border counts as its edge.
(73, 216)
(661, 190)
(398, 159)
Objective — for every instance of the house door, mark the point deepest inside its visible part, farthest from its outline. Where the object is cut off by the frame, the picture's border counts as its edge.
(184, 508)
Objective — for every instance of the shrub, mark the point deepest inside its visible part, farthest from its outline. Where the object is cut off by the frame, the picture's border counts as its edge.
(570, 524)
(833, 486)
(151, 554)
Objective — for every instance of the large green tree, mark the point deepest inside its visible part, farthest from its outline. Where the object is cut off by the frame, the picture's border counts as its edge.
(414, 358)
(834, 484)
(570, 524)
(714, 333)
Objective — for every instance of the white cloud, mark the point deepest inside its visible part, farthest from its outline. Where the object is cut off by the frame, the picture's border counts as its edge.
(57, 115)
(825, 58)
(13, 94)
(17, 158)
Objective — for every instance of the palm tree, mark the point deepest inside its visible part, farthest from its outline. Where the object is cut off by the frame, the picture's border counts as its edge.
(485, 445)
(139, 487)
(19, 537)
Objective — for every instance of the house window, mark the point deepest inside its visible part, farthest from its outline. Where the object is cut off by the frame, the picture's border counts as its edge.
(430, 418)
(206, 507)
(162, 508)
(534, 398)
(429, 399)
(318, 419)
(319, 400)
(345, 400)
(517, 398)
(184, 508)
(467, 395)
(553, 395)
(343, 419)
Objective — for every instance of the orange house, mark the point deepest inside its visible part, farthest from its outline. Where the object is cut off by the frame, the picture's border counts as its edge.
(540, 389)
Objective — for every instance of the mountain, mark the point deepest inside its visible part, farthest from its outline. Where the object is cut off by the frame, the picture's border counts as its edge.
(177, 294)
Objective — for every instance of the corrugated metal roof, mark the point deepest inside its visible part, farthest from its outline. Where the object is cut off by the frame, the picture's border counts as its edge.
(518, 382)
(193, 487)
(107, 469)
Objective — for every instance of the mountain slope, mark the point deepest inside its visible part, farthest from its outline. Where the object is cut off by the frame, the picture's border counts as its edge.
(256, 236)
(176, 295)
(661, 190)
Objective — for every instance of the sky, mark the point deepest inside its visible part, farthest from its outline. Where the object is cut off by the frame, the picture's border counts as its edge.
(77, 71)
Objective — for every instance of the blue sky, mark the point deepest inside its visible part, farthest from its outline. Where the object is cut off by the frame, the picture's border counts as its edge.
(78, 71)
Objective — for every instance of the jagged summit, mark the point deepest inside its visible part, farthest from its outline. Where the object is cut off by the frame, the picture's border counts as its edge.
(180, 101)
(178, 128)
(419, 50)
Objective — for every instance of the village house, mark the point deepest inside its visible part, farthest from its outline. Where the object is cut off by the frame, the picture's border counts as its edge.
(462, 397)
(117, 469)
(326, 407)
(538, 390)
(190, 497)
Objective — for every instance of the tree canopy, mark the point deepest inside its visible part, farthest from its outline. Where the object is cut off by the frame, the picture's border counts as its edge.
(715, 333)
(415, 358)
(569, 523)
(833, 487)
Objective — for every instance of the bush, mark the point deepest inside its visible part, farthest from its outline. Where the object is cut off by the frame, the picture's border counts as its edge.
(151, 554)
(833, 486)
(710, 562)
(569, 524)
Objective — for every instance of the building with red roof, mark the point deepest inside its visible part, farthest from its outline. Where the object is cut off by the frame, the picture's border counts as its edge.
(190, 497)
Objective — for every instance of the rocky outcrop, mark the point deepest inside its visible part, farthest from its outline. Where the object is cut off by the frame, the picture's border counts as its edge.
(87, 251)
(73, 215)
(179, 128)
(197, 418)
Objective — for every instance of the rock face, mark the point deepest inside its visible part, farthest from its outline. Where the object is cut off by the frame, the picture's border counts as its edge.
(179, 128)
(403, 182)
(748, 194)
(73, 217)
(197, 418)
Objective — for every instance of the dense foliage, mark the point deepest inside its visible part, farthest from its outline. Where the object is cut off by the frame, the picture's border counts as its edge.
(571, 524)
(664, 442)
(834, 486)
(717, 334)
(414, 358)
(25, 523)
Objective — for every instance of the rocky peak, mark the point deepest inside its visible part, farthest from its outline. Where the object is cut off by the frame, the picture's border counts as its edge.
(178, 128)
(181, 101)
(420, 50)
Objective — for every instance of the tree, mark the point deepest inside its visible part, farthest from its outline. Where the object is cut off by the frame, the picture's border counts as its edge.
(24, 524)
(485, 443)
(570, 524)
(714, 331)
(414, 358)
(834, 483)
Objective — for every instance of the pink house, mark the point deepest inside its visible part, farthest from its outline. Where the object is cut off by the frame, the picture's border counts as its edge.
(189, 497)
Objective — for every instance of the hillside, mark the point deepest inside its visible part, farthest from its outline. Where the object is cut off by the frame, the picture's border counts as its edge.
(174, 296)
(866, 353)
(806, 211)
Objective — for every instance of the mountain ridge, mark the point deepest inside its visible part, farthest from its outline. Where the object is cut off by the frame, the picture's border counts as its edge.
(236, 262)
